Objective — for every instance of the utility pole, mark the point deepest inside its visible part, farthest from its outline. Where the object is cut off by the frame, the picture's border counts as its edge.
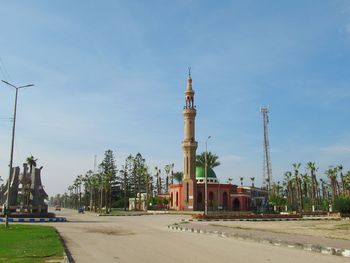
(7, 207)
(267, 170)
(206, 178)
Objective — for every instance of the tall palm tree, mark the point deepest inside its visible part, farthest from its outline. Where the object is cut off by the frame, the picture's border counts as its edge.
(289, 184)
(323, 188)
(241, 179)
(212, 160)
(159, 183)
(313, 169)
(172, 173)
(31, 161)
(340, 169)
(331, 173)
(347, 182)
(296, 167)
(306, 181)
(70, 189)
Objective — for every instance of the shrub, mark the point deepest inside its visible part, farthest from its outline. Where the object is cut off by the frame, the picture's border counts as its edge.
(342, 204)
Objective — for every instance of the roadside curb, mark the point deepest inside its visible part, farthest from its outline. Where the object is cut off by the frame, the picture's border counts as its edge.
(260, 219)
(34, 220)
(275, 242)
(67, 257)
(124, 215)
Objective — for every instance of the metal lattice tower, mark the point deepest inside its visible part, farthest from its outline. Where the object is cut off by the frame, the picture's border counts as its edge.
(267, 170)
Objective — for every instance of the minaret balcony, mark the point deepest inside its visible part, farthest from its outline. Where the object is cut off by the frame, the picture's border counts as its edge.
(189, 143)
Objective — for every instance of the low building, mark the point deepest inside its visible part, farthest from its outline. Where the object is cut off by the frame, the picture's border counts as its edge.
(225, 197)
(138, 203)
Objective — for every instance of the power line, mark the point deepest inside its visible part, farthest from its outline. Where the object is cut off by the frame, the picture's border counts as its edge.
(4, 71)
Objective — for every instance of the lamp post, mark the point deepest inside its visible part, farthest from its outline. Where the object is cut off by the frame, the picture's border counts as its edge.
(7, 207)
(206, 178)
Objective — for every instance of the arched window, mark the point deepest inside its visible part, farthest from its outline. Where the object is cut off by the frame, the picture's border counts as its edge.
(236, 205)
(211, 196)
(224, 200)
(177, 199)
(199, 198)
(171, 199)
(187, 194)
(211, 199)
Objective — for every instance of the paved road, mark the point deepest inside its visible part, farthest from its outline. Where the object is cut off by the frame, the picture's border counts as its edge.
(147, 239)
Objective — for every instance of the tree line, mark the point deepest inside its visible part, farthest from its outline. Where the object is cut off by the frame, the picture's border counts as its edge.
(301, 191)
(110, 187)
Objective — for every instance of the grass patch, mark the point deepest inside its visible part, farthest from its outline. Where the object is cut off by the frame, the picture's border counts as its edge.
(29, 243)
(127, 212)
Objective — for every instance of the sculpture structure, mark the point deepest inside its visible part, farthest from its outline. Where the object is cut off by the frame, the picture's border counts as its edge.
(27, 194)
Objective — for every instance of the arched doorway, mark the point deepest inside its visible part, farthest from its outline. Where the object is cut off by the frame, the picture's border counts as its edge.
(177, 199)
(171, 199)
(236, 205)
(224, 200)
(200, 201)
(211, 199)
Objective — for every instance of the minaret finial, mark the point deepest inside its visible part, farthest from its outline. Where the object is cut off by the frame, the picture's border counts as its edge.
(189, 72)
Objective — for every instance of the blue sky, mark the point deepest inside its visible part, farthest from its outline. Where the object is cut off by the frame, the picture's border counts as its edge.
(111, 74)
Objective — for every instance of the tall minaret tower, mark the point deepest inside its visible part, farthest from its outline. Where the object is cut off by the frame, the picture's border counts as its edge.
(189, 146)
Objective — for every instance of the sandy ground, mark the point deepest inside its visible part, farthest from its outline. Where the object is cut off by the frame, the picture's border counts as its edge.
(337, 229)
(147, 239)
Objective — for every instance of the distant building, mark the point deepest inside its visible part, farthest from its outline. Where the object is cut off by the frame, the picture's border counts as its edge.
(138, 203)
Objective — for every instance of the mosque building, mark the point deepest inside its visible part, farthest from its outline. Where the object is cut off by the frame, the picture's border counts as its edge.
(189, 195)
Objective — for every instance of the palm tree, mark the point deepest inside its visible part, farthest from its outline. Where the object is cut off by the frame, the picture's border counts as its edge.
(347, 182)
(148, 183)
(340, 169)
(252, 179)
(305, 185)
(31, 161)
(172, 173)
(70, 189)
(296, 167)
(88, 186)
(212, 160)
(323, 188)
(178, 177)
(159, 182)
(241, 179)
(289, 183)
(313, 169)
(331, 173)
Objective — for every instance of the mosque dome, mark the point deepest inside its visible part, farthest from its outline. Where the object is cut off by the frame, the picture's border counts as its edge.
(200, 175)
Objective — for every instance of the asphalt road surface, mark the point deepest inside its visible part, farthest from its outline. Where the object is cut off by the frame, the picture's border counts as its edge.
(147, 239)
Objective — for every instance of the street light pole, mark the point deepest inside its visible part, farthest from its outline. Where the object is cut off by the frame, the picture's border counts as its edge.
(206, 178)
(7, 207)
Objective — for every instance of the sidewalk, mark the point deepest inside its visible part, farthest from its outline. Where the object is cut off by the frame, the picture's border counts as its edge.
(318, 244)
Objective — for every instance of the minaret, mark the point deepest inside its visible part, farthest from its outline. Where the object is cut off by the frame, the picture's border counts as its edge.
(189, 146)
